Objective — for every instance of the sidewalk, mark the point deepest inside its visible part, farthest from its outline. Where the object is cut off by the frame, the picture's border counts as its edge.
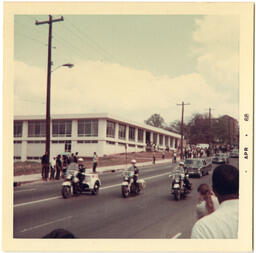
(37, 177)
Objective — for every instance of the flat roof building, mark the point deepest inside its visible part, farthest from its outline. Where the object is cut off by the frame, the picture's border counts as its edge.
(102, 133)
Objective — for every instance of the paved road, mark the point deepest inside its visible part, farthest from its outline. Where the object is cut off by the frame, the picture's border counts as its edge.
(39, 208)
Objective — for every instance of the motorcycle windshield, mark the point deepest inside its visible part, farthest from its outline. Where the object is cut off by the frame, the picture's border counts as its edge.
(128, 173)
(72, 167)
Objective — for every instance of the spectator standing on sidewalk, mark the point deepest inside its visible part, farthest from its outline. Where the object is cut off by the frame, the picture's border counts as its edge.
(174, 157)
(154, 157)
(53, 167)
(75, 157)
(45, 166)
(222, 223)
(95, 162)
(58, 167)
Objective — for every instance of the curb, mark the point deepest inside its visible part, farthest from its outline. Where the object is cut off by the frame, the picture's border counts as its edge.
(15, 184)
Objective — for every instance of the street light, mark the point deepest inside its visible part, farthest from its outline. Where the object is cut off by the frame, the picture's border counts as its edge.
(48, 103)
(69, 65)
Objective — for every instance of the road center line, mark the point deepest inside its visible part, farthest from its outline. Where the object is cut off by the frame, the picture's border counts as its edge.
(36, 201)
(176, 236)
(45, 224)
(28, 190)
(102, 188)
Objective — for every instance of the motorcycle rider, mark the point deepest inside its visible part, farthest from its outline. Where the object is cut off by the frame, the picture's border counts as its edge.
(185, 177)
(81, 172)
(136, 171)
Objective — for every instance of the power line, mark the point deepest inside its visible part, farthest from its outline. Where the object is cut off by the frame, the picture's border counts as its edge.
(91, 45)
(92, 42)
(28, 37)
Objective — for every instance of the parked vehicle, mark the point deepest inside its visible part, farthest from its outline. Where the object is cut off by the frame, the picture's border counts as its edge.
(220, 158)
(178, 186)
(129, 186)
(234, 153)
(77, 182)
(198, 166)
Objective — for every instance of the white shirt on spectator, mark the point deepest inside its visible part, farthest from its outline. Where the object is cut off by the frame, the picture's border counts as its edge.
(221, 224)
(201, 209)
(53, 162)
(95, 158)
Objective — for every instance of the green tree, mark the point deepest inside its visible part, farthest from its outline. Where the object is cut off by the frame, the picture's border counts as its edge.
(198, 129)
(155, 120)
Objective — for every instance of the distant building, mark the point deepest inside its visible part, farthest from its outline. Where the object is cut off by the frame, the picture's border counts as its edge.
(231, 130)
(86, 133)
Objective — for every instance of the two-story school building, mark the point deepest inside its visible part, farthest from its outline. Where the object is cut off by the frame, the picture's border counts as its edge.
(86, 133)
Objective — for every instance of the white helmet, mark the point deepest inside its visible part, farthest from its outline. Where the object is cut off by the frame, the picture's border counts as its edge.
(80, 159)
(181, 163)
(133, 161)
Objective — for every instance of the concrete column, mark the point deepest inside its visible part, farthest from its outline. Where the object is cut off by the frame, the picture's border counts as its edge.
(171, 142)
(102, 132)
(102, 129)
(136, 134)
(25, 129)
(127, 133)
(144, 136)
(24, 150)
(24, 142)
(116, 131)
(136, 138)
(74, 135)
(151, 137)
(157, 139)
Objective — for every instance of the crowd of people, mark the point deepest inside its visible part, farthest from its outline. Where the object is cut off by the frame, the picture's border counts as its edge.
(57, 167)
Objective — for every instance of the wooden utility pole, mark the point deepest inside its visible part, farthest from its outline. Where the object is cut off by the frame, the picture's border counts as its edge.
(48, 93)
(182, 128)
(210, 132)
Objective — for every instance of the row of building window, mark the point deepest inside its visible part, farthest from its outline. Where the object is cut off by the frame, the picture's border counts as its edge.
(111, 127)
(87, 128)
(60, 128)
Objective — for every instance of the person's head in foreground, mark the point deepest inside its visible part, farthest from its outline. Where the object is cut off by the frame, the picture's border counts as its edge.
(59, 233)
(223, 222)
(225, 182)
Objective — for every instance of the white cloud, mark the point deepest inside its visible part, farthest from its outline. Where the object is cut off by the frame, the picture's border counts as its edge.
(217, 50)
(104, 87)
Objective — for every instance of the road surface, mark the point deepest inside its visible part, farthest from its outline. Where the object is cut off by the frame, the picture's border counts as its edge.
(39, 208)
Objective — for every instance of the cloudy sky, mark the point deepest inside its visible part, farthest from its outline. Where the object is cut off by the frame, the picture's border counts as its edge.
(130, 66)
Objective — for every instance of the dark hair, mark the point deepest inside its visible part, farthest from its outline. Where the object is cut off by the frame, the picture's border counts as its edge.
(225, 180)
(59, 233)
(205, 191)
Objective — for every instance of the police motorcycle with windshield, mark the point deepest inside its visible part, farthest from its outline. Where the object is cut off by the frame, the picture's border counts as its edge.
(131, 184)
(180, 184)
(77, 181)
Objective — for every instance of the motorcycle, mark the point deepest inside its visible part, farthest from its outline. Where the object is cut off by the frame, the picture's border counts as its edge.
(129, 186)
(77, 182)
(178, 186)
